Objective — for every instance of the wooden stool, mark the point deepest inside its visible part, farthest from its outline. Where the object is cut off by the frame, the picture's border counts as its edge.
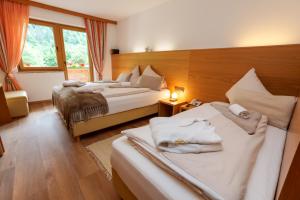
(17, 103)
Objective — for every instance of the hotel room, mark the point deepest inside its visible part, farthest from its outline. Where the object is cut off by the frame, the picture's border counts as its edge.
(150, 100)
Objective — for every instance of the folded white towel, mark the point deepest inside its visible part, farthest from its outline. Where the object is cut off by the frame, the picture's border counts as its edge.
(239, 111)
(189, 135)
(90, 88)
(73, 83)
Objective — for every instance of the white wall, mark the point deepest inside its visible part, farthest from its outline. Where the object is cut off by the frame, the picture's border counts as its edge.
(39, 85)
(193, 24)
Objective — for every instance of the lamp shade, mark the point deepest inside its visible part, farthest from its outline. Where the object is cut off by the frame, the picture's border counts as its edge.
(174, 96)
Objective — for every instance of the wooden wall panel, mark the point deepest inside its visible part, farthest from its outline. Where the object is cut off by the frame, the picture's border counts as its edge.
(173, 65)
(208, 73)
(212, 72)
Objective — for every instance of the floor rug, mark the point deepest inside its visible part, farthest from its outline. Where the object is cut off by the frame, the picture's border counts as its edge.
(101, 152)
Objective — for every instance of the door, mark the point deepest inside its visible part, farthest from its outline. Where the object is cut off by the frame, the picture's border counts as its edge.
(77, 60)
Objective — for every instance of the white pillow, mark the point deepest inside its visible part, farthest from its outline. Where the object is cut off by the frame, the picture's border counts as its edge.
(249, 81)
(123, 77)
(135, 74)
(279, 109)
(251, 93)
(149, 72)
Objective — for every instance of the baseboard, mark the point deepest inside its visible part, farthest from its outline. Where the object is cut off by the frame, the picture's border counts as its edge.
(42, 101)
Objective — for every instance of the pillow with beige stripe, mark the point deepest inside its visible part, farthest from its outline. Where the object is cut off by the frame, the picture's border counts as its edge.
(279, 109)
(154, 83)
(252, 94)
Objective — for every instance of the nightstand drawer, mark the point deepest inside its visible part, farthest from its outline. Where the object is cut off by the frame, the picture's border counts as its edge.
(186, 107)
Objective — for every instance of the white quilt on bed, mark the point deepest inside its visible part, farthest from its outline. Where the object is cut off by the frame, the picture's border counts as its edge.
(218, 175)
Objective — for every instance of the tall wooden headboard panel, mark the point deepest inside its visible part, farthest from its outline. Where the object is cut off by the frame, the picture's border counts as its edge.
(208, 73)
(173, 65)
(213, 71)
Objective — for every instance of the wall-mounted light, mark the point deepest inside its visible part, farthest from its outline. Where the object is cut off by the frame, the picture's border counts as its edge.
(180, 91)
(138, 49)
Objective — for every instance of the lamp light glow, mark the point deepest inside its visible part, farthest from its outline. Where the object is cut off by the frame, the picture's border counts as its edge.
(166, 94)
(174, 96)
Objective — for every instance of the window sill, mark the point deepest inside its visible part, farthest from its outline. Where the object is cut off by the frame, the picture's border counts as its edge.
(39, 70)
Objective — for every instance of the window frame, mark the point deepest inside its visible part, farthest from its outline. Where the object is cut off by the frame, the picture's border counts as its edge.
(57, 45)
(60, 49)
(73, 28)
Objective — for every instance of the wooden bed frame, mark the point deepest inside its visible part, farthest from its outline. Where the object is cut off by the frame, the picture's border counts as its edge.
(105, 121)
(208, 73)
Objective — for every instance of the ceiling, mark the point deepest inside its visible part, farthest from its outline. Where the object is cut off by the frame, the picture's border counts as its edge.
(110, 9)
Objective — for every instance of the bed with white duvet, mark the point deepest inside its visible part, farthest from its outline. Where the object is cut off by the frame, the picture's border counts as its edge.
(148, 181)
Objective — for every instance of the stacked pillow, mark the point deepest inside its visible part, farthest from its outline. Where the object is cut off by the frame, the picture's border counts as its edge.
(129, 77)
(123, 77)
(251, 93)
(150, 79)
(135, 74)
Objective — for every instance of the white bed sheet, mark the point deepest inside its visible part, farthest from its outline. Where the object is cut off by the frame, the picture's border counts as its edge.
(148, 181)
(124, 103)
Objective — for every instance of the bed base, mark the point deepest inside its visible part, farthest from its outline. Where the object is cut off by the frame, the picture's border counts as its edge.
(106, 121)
(289, 183)
(121, 187)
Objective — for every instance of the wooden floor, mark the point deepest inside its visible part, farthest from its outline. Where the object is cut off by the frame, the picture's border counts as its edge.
(43, 162)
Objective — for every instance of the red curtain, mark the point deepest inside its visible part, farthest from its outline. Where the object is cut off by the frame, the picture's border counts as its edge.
(96, 35)
(14, 18)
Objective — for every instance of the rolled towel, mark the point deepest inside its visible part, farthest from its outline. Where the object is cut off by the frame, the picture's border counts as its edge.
(73, 83)
(90, 88)
(239, 111)
(84, 90)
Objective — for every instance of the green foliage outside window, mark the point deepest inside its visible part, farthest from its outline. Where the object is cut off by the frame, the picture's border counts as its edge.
(40, 49)
(76, 49)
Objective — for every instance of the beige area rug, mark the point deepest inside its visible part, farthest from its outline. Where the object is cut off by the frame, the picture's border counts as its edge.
(101, 152)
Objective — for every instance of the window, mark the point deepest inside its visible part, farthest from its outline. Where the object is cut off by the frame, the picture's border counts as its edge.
(77, 59)
(40, 48)
(50, 46)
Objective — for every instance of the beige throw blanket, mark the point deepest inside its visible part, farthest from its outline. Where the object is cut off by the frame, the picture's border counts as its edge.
(75, 106)
(248, 124)
(86, 102)
(214, 175)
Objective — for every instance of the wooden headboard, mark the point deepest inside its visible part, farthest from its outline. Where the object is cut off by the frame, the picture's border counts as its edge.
(207, 74)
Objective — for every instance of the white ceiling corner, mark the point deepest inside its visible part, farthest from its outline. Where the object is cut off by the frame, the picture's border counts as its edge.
(110, 9)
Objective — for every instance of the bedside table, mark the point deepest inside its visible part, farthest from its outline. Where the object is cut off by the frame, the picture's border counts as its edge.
(186, 107)
(168, 108)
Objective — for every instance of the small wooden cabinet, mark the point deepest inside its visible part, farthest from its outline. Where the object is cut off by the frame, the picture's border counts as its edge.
(168, 108)
(4, 115)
